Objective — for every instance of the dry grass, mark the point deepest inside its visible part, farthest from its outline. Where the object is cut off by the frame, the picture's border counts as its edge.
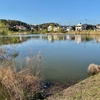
(93, 69)
(10, 83)
(88, 89)
(86, 32)
(20, 85)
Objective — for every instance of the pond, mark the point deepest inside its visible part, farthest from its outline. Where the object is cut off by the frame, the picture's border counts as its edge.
(64, 57)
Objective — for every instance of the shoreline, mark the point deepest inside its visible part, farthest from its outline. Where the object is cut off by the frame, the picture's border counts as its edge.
(83, 90)
(70, 32)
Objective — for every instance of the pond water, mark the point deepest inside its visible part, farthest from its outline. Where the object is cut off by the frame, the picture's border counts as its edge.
(64, 57)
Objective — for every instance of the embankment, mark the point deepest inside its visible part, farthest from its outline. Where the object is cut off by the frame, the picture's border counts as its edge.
(88, 89)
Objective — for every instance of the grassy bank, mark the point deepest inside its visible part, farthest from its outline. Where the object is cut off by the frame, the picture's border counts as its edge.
(88, 89)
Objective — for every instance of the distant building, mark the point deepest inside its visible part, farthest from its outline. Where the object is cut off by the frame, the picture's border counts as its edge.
(20, 27)
(55, 29)
(89, 26)
(98, 26)
(80, 27)
(50, 28)
(69, 28)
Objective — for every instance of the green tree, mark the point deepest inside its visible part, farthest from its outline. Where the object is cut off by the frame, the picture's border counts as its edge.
(52, 25)
(3, 29)
(45, 31)
(61, 30)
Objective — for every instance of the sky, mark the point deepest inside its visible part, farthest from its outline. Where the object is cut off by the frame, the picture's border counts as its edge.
(64, 12)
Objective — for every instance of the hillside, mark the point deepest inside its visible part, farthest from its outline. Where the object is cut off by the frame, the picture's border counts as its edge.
(10, 26)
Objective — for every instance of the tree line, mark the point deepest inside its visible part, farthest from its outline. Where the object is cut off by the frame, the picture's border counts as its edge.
(10, 26)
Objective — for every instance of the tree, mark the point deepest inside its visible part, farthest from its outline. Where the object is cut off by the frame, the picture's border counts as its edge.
(45, 31)
(52, 25)
(61, 30)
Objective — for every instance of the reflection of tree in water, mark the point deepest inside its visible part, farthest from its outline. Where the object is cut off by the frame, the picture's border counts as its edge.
(93, 37)
(7, 55)
(88, 38)
(9, 40)
(12, 40)
(60, 37)
(51, 38)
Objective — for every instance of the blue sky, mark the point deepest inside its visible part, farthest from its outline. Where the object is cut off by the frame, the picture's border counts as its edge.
(59, 11)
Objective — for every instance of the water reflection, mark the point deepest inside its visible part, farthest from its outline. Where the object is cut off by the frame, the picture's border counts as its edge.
(11, 40)
(63, 57)
(51, 38)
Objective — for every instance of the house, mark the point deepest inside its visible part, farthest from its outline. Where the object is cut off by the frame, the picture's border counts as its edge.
(56, 28)
(98, 26)
(50, 28)
(40, 28)
(20, 27)
(69, 28)
(65, 28)
(80, 27)
(89, 26)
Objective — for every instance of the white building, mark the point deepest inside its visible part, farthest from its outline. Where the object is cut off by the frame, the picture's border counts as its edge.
(50, 28)
(69, 28)
(55, 29)
(80, 27)
(98, 26)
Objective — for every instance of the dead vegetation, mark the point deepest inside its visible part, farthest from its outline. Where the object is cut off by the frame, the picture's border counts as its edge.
(93, 69)
(19, 85)
(26, 84)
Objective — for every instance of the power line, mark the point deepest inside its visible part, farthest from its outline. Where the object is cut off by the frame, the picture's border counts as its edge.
(85, 21)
